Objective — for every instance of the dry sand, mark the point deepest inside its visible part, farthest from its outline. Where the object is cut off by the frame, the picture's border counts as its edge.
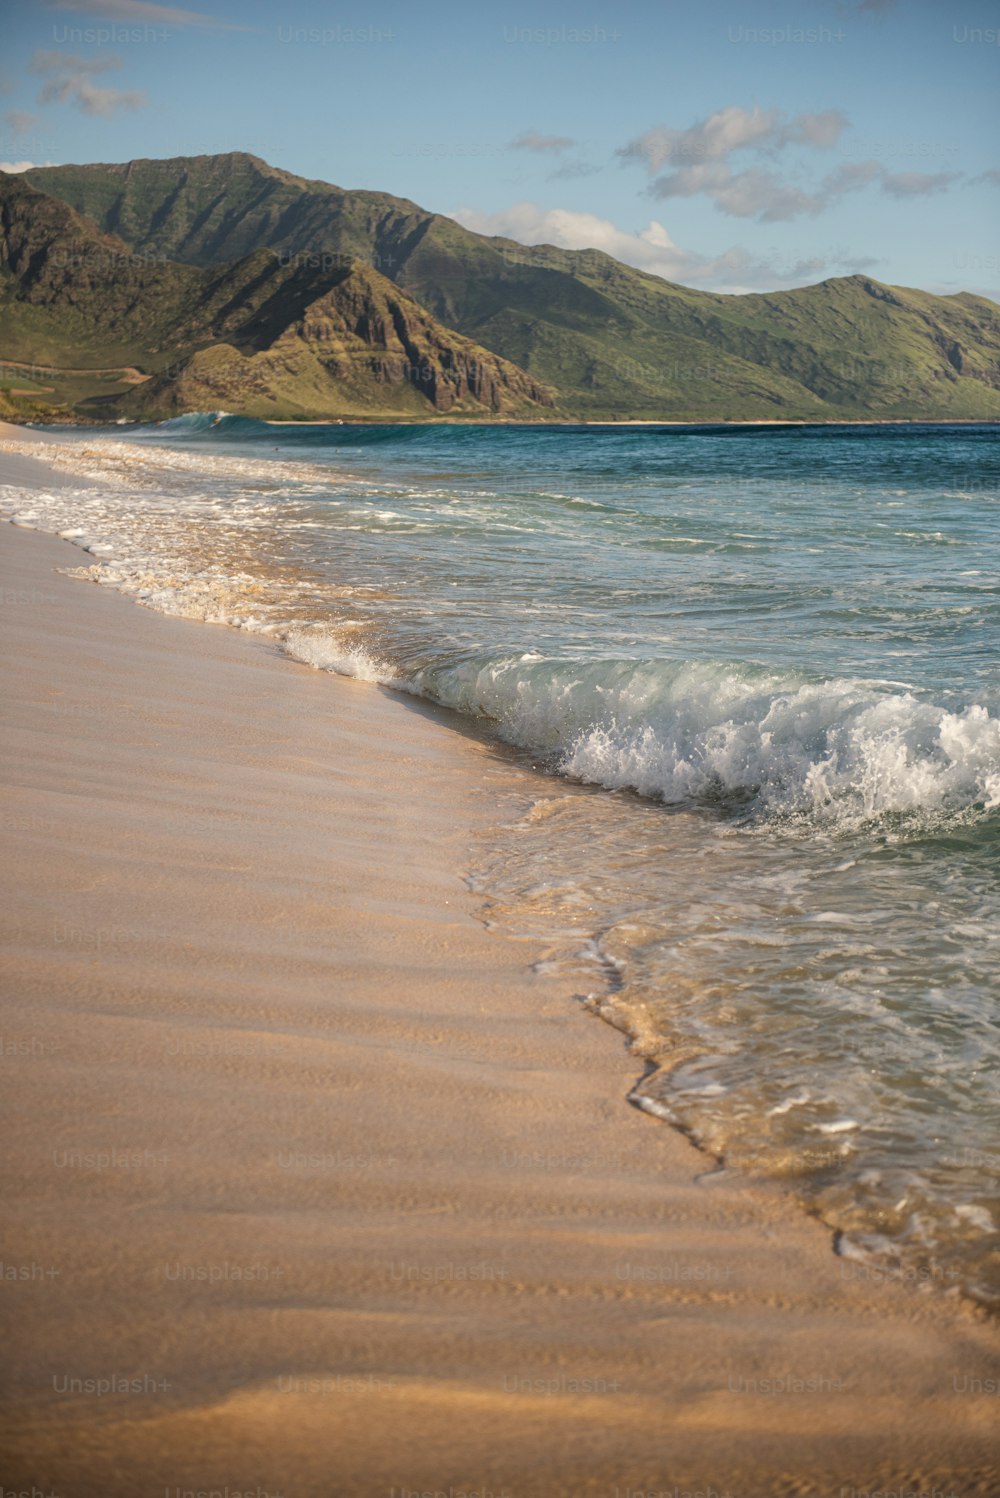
(354, 1200)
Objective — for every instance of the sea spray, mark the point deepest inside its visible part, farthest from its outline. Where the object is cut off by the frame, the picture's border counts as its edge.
(706, 730)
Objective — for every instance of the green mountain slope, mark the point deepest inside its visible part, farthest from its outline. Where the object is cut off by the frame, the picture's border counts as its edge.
(267, 335)
(612, 340)
(208, 209)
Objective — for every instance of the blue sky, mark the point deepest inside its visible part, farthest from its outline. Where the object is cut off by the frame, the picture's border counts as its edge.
(726, 145)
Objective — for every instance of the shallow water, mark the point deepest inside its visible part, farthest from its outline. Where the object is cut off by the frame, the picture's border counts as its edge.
(773, 654)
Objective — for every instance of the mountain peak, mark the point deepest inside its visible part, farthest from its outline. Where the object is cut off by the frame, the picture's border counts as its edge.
(612, 341)
(268, 335)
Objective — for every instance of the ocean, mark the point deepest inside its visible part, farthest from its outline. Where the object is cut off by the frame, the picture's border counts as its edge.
(755, 673)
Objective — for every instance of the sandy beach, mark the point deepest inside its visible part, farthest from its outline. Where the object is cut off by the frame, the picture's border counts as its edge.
(314, 1188)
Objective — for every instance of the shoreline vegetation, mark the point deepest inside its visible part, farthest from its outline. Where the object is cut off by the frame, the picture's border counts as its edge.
(313, 1185)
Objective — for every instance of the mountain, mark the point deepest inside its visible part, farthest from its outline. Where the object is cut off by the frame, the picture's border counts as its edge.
(267, 335)
(609, 340)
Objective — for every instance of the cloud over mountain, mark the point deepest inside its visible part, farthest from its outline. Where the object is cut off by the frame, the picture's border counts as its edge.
(696, 162)
(71, 82)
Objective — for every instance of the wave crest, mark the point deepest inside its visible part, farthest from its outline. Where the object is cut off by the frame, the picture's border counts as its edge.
(710, 731)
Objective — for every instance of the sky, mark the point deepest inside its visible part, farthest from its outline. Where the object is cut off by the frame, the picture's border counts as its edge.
(731, 146)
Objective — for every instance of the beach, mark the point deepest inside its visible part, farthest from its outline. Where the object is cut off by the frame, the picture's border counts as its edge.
(314, 1187)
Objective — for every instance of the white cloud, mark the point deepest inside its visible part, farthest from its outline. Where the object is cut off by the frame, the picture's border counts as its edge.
(88, 97)
(531, 140)
(720, 135)
(653, 250)
(712, 139)
(698, 159)
(710, 177)
(697, 162)
(22, 166)
(751, 194)
(144, 12)
(765, 197)
(822, 130)
(914, 184)
(71, 82)
(851, 176)
(20, 121)
(854, 175)
(72, 62)
(571, 170)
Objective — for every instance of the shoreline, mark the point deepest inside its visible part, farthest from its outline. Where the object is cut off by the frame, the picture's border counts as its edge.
(354, 421)
(246, 962)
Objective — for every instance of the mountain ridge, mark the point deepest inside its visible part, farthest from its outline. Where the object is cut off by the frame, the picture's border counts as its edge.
(606, 341)
(293, 338)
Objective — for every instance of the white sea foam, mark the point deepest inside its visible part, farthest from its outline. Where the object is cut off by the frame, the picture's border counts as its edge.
(701, 730)
(155, 554)
(142, 465)
(327, 651)
(839, 749)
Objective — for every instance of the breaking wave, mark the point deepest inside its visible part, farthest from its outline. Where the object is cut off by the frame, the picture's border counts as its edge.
(719, 731)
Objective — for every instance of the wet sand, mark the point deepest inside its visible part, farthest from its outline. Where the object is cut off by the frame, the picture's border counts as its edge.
(335, 1194)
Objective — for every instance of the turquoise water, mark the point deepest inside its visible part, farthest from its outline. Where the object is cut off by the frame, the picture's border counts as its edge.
(771, 653)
